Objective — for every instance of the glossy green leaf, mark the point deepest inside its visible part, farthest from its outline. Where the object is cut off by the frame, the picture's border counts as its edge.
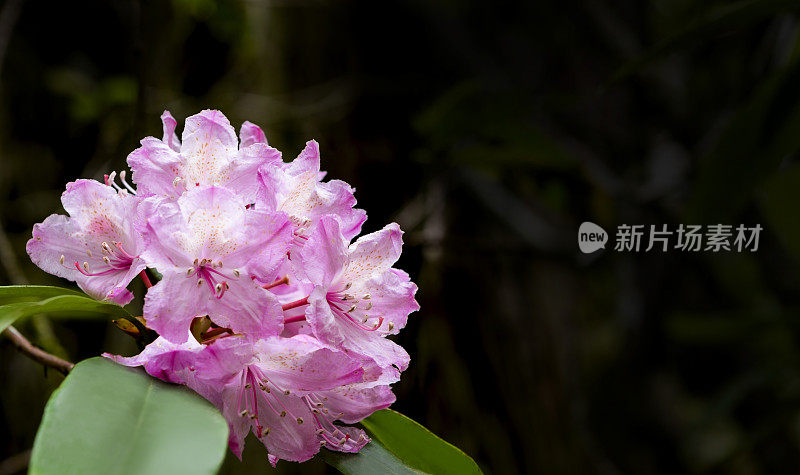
(373, 458)
(29, 293)
(109, 419)
(19, 301)
(401, 445)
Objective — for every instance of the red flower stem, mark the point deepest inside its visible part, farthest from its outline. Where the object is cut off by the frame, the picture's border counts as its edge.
(281, 281)
(145, 279)
(298, 318)
(296, 303)
(216, 331)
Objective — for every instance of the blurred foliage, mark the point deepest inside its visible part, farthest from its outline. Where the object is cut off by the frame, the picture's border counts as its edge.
(489, 131)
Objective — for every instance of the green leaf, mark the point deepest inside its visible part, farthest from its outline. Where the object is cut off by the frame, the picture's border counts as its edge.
(29, 293)
(19, 301)
(400, 445)
(109, 419)
(373, 458)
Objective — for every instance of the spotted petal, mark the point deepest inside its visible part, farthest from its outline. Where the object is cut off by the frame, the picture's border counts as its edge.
(373, 254)
(251, 134)
(244, 307)
(341, 333)
(324, 255)
(96, 246)
(296, 188)
(305, 365)
(170, 137)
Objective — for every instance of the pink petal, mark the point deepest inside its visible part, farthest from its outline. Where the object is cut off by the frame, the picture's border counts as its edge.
(216, 225)
(374, 254)
(251, 134)
(164, 360)
(269, 238)
(299, 180)
(238, 426)
(225, 358)
(112, 287)
(209, 144)
(356, 439)
(392, 297)
(344, 335)
(170, 138)
(241, 174)
(170, 306)
(162, 225)
(354, 403)
(155, 167)
(288, 439)
(296, 189)
(324, 254)
(306, 161)
(98, 215)
(209, 127)
(323, 322)
(53, 238)
(336, 198)
(246, 308)
(212, 223)
(302, 363)
(270, 180)
(385, 352)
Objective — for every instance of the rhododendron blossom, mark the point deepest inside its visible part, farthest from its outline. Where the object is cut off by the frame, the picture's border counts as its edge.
(358, 297)
(297, 189)
(204, 244)
(96, 246)
(263, 306)
(207, 154)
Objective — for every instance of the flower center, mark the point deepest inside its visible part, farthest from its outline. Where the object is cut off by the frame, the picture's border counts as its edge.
(115, 259)
(354, 310)
(212, 274)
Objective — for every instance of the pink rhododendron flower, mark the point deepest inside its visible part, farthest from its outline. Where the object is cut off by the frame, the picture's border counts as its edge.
(204, 244)
(294, 346)
(96, 246)
(288, 391)
(208, 154)
(297, 188)
(358, 298)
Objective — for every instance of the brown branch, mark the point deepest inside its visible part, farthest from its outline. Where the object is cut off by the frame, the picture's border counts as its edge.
(36, 354)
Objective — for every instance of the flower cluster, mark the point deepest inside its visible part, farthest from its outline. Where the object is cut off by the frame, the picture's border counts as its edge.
(264, 306)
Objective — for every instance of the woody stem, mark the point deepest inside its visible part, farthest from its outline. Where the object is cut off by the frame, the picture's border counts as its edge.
(36, 354)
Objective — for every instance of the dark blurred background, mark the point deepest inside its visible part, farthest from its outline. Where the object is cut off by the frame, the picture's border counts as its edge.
(489, 131)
